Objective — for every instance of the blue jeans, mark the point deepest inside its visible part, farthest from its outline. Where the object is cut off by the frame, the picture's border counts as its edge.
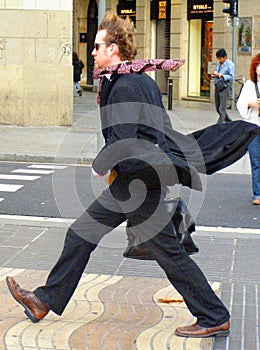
(254, 153)
(77, 86)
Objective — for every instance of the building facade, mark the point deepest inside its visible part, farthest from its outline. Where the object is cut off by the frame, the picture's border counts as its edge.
(37, 38)
(35, 62)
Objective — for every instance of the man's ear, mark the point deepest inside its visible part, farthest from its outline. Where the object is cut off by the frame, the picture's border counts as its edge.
(113, 49)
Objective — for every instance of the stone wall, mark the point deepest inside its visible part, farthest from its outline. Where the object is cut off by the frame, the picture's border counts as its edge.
(36, 75)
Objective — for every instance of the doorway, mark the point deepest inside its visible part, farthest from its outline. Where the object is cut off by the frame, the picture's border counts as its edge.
(200, 55)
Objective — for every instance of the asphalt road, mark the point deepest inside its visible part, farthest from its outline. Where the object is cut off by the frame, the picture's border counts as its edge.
(225, 200)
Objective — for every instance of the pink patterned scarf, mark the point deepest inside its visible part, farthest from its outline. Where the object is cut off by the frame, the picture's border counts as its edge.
(136, 66)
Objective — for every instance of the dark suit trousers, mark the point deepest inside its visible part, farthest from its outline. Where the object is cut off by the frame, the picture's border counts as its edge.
(149, 215)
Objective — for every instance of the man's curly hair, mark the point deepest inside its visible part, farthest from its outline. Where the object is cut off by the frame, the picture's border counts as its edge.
(121, 32)
(254, 63)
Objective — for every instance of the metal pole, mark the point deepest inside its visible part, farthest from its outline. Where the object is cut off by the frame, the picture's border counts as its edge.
(101, 14)
(170, 94)
(234, 54)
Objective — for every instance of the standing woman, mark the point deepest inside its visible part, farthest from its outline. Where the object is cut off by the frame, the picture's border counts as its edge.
(248, 106)
(78, 66)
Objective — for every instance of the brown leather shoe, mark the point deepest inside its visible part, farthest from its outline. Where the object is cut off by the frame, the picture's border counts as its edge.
(256, 201)
(196, 331)
(34, 308)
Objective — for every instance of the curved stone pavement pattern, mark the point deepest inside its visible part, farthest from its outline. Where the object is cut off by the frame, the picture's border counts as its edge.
(106, 313)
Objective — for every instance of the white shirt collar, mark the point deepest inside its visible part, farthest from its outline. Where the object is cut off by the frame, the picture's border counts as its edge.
(108, 76)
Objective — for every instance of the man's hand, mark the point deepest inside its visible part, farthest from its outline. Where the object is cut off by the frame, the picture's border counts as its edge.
(110, 176)
(94, 173)
(216, 74)
(254, 104)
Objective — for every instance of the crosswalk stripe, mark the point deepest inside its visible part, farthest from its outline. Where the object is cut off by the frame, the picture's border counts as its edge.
(43, 166)
(33, 171)
(18, 177)
(9, 188)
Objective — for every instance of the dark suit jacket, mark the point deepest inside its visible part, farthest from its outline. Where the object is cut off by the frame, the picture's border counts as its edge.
(138, 132)
(133, 123)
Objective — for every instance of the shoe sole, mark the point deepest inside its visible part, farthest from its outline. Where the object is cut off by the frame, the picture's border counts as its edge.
(27, 311)
(148, 257)
(213, 334)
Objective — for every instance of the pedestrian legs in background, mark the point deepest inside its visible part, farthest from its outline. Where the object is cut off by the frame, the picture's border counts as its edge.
(78, 88)
(221, 100)
(254, 154)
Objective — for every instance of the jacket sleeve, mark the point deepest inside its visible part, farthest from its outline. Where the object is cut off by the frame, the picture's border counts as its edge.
(122, 117)
(247, 95)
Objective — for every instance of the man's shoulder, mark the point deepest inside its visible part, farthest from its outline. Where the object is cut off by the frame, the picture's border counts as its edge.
(137, 87)
(136, 79)
(230, 62)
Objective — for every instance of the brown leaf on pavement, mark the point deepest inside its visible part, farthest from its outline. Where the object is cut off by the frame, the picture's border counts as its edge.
(168, 300)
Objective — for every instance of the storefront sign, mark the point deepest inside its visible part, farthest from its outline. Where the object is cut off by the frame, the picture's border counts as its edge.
(160, 9)
(200, 9)
(126, 8)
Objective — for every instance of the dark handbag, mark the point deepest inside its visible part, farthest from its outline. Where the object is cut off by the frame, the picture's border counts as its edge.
(220, 84)
(183, 226)
(257, 91)
(257, 94)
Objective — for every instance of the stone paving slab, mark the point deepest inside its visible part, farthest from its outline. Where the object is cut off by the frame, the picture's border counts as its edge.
(106, 312)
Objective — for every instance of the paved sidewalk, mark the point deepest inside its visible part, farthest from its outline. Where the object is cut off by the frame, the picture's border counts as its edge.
(78, 143)
(106, 312)
(118, 309)
(122, 303)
